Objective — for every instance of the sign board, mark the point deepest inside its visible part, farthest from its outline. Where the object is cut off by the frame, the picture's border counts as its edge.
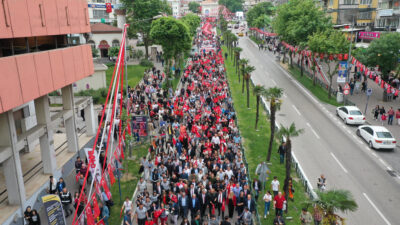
(54, 210)
(346, 89)
(98, 6)
(93, 157)
(342, 72)
(368, 35)
(139, 125)
(369, 92)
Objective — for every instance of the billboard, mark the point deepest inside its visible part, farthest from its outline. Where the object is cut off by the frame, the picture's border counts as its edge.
(54, 210)
(342, 72)
(139, 125)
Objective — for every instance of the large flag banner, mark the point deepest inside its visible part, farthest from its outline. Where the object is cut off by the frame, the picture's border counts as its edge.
(95, 167)
(54, 210)
(139, 125)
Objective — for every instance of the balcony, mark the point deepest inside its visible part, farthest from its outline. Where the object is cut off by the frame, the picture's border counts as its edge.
(28, 76)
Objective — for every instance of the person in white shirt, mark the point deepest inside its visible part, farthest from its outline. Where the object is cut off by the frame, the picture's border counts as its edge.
(127, 206)
(229, 172)
(267, 203)
(275, 185)
(215, 140)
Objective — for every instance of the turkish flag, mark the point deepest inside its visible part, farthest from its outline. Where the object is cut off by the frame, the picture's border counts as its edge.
(89, 216)
(377, 79)
(396, 93)
(105, 187)
(382, 84)
(340, 57)
(96, 209)
(346, 56)
(111, 173)
(108, 8)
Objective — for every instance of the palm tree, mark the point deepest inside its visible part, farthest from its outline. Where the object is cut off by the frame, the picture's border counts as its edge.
(258, 91)
(273, 95)
(237, 51)
(247, 71)
(242, 63)
(331, 201)
(287, 133)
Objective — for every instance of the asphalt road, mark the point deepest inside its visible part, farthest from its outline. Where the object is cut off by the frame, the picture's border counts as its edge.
(328, 146)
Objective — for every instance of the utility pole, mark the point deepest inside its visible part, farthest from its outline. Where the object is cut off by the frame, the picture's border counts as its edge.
(349, 59)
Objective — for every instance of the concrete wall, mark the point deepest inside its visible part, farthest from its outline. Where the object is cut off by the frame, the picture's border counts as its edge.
(95, 81)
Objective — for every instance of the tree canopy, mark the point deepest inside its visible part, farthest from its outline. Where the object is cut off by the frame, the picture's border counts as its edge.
(194, 7)
(172, 34)
(140, 14)
(329, 41)
(232, 5)
(383, 51)
(192, 21)
(298, 19)
(259, 15)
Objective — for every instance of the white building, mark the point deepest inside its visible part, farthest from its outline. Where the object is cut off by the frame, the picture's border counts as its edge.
(94, 81)
(97, 12)
(209, 8)
(104, 36)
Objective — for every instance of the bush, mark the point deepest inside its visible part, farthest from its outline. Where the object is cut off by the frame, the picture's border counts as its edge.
(146, 63)
(99, 95)
(110, 64)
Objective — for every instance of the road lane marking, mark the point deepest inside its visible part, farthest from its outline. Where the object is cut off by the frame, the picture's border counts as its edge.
(374, 154)
(376, 209)
(284, 95)
(315, 133)
(273, 81)
(340, 164)
(359, 141)
(383, 162)
(298, 112)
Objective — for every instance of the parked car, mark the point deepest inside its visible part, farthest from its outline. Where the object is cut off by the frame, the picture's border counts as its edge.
(350, 115)
(236, 26)
(240, 34)
(377, 137)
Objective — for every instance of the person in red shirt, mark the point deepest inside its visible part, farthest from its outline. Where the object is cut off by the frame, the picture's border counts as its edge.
(279, 201)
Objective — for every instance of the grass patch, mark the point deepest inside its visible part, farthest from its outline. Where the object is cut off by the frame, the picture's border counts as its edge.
(135, 74)
(128, 181)
(255, 144)
(318, 91)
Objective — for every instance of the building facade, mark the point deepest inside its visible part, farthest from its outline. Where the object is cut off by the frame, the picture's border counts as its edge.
(98, 12)
(362, 12)
(209, 8)
(39, 53)
(104, 36)
(388, 15)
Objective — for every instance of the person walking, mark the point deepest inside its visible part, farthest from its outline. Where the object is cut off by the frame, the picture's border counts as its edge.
(275, 185)
(317, 215)
(305, 217)
(376, 111)
(382, 112)
(279, 220)
(398, 116)
(105, 212)
(128, 218)
(279, 201)
(390, 116)
(35, 218)
(267, 203)
(256, 187)
(141, 214)
(282, 151)
(66, 200)
(321, 184)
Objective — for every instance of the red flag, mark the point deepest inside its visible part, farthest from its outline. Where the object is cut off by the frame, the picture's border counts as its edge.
(389, 90)
(98, 191)
(122, 154)
(96, 209)
(340, 57)
(346, 56)
(396, 93)
(382, 84)
(111, 173)
(330, 57)
(108, 8)
(377, 79)
(105, 187)
(89, 216)
(353, 60)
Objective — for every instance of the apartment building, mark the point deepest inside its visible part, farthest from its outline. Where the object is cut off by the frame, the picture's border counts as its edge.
(388, 15)
(361, 12)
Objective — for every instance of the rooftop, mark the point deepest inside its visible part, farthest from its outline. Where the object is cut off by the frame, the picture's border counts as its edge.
(101, 28)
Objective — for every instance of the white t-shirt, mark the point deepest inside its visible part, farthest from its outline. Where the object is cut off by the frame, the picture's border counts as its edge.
(275, 185)
(127, 205)
(267, 198)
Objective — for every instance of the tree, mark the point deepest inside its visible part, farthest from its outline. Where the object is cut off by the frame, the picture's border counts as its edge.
(384, 52)
(242, 64)
(288, 133)
(259, 15)
(194, 7)
(328, 43)
(247, 75)
(273, 95)
(332, 201)
(113, 51)
(258, 91)
(232, 5)
(192, 21)
(95, 52)
(237, 51)
(174, 37)
(296, 20)
(140, 14)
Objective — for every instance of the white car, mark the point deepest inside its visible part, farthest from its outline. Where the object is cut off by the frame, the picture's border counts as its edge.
(350, 115)
(377, 137)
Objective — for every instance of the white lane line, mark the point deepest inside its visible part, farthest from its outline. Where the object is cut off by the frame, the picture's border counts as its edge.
(273, 81)
(284, 95)
(383, 162)
(298, 112)
(376, 209)
(340, 164)
(374, 154)
(389, 168)
(315, 133)
(348, 131)
(359, 141)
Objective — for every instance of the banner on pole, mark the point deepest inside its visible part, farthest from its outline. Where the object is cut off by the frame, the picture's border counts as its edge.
(54, 210)
(342, 72)
(139, 125)
(95, 168)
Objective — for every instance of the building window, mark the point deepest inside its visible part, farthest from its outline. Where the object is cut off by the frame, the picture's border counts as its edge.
(364, 15)
(331, 3)
(100, 13)
(92, 43)
(365, 2)
(349, 2)
(115, 43)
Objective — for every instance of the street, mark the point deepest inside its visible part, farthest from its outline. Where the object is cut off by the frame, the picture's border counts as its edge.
(328, 146)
